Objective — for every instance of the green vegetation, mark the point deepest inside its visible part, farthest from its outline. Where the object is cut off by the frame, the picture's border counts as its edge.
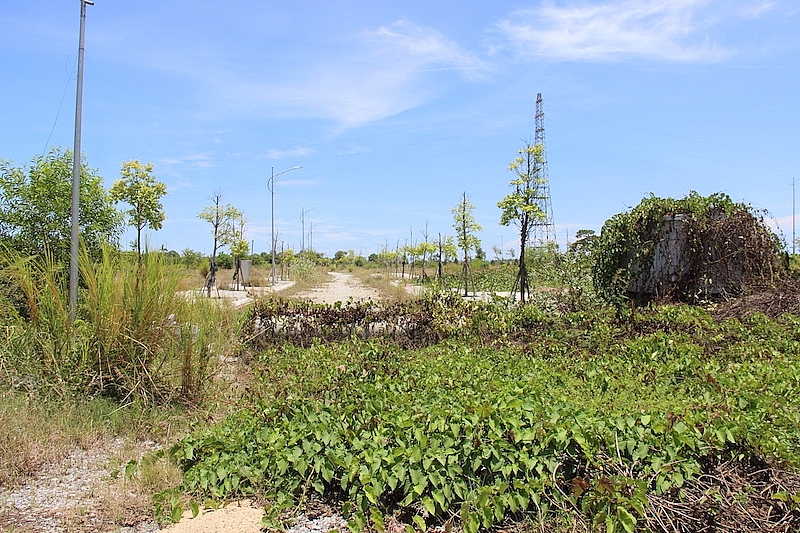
(139, 189)
(554, 412)
(135, 336)
(465, 225)
(522, 206)
(226, 222)
(727, 248)
(35, 207)
(515, 414)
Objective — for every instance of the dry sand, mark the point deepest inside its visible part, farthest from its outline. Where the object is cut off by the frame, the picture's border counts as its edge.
(238, 517)
(341, 288)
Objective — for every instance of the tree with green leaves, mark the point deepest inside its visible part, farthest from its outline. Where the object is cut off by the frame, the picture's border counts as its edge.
(521, 207)
(465, 225)
(139, 189)
(223, 220)
(238, 246)
(36, 207)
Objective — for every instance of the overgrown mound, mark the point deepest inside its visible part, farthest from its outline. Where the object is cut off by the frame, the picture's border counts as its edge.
(685, 250)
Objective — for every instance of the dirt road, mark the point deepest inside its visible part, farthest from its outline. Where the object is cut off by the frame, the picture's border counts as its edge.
(341, 288)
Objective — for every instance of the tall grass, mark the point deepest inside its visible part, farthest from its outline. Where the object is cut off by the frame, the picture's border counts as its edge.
(136, 336)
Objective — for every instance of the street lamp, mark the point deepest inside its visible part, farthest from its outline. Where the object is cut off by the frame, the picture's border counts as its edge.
(271, 187)
(303, 226)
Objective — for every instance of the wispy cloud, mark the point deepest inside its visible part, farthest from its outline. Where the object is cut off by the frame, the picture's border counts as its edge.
(188, 160)
(300, 151)
(419, 49)
(353, 79)
(667, 30)
(382, 72)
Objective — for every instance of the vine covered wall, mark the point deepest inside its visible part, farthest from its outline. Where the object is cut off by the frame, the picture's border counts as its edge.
(688, 249)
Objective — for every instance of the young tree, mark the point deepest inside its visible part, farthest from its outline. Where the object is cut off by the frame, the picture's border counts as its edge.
(465, 225)
(223, 221)
(139, 189)
(36, 207)
(522, 206)
(239, 246)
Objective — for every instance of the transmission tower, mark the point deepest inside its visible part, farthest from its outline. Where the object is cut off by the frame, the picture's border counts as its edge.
(543, 231)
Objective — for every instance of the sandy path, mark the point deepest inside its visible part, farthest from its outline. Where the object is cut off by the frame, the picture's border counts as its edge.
(341, 288)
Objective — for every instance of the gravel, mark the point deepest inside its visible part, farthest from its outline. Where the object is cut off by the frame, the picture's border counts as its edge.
(64, 496)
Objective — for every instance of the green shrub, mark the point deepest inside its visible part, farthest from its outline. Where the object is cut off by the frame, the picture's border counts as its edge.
(134, 337)
(304, 269)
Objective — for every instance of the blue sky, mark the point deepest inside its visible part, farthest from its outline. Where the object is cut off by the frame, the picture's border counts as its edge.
(393, 109)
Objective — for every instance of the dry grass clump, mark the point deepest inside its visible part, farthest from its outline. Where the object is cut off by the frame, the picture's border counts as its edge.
(392, 289)
(783, 297)
(126, 498)
(732, 497)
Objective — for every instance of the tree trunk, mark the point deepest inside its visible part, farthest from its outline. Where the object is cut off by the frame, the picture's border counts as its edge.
(522, 272)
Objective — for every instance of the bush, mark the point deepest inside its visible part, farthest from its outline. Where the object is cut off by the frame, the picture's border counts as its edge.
(225, 261)
(304, 269)
(134, 336)
(192, 258)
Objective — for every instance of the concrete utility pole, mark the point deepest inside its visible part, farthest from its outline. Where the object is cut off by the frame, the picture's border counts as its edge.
(793, 212)
(271, 187)
(76, 174)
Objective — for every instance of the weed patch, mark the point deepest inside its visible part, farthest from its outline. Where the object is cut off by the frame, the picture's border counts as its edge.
(516, 414)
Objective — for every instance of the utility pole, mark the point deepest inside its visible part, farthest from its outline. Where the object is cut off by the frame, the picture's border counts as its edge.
(303, 212)
(76, 174)
(271, 187)
(793, 215)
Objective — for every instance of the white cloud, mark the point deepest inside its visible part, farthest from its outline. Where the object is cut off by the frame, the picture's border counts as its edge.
(382, 72)
(668, 30)
(300, 151)
(189, 160)
(417, 49)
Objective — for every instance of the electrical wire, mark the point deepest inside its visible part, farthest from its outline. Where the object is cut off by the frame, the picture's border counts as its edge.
(63, 94)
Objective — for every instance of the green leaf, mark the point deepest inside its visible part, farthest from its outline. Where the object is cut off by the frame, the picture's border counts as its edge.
(176, 513)
(376, 517)
(438, 495)
(420, 522)
(627, 520)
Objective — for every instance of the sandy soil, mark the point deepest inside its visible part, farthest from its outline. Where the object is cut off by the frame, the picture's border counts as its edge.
(341, 288)
(238, 517)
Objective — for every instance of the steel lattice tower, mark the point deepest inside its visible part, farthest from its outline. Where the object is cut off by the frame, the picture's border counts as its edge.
(543, 231)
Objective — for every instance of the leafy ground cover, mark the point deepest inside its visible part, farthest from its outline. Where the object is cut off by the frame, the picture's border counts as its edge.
(515, 414)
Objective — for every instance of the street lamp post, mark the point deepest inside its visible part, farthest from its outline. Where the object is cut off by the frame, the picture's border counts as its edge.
(271, 187)
(303, 212)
